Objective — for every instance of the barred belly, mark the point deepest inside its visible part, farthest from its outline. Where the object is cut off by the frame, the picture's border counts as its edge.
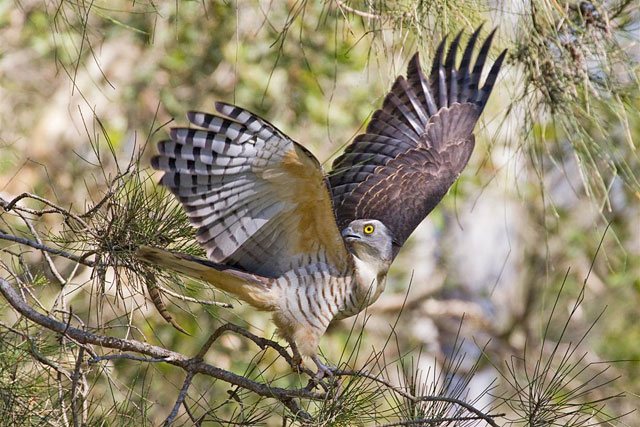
(310, 298)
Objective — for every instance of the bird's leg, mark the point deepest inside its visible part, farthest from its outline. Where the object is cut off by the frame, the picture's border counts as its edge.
(296, 359)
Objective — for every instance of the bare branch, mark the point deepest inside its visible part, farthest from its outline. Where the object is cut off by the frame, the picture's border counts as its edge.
(36, 245)
(261, 342)
(195, 365)
(12, 205)
(124, 356)
(360, 13)
(196, 300)
(74, 386)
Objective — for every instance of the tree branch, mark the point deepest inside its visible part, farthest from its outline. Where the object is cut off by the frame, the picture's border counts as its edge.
(125, 356)
(195, 365)
(260, 342)
(192, 365)
(437, 421)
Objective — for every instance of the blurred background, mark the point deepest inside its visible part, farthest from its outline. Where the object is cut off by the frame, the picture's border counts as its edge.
(538, 241)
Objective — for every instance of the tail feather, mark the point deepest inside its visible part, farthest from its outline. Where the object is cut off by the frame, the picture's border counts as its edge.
(253, 289)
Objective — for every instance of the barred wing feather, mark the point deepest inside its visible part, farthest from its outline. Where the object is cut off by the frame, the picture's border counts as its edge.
(259, 200)
(415, 147)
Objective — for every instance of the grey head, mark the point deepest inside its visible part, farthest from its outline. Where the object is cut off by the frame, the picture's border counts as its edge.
(370, 240)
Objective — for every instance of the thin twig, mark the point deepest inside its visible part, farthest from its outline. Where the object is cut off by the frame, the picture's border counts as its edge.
(108, 194)
(54, 251)
(125, 356)
(196, 422)
(259, 341)
(70, 314)
(11, 204)
(23, 286)
(468, 407)
(34, 351)
(181, 396)
(437, 421)
(46, 255)
(63, 405)
(74, 386)
(360, 13)
(189, 299)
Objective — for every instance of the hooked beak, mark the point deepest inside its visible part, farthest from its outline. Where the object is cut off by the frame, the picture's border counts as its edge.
(349, 235)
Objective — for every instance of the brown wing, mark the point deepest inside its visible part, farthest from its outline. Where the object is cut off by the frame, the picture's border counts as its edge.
(259, 200)
(416, 146)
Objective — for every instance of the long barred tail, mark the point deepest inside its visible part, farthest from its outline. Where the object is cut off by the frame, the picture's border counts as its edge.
(255, 290)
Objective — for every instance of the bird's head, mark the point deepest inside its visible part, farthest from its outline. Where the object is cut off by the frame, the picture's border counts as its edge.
(370, 240)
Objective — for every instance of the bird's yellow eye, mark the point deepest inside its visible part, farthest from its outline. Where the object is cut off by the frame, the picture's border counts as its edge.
(368, 229)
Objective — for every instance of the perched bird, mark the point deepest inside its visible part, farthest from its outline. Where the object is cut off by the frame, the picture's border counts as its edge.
(309, 247)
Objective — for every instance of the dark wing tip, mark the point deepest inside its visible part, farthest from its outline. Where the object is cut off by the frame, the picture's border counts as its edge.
(469, 82)
(451, 78)
(446, 103)
(414, 61)
(437, 60)
(155, 163)
(173, 133)
(191, 116)
(483, 96)
(222, 106)
(451, 53)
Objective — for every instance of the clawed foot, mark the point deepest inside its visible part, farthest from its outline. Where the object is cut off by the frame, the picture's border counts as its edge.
(329, 372)
(323, 370)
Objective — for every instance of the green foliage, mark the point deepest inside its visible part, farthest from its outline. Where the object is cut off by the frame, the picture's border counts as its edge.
(553, 383)
(577, 67)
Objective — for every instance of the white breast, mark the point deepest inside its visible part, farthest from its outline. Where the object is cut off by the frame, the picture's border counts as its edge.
(371, 280)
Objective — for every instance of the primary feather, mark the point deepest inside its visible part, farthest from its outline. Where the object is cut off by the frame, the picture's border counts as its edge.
(258, 199)
(416, 146)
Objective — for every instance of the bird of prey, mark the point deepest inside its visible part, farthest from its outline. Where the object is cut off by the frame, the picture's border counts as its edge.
(312, 247)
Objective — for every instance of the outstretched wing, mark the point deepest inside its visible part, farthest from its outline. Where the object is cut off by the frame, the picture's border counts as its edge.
(416, 146)
(259, 200)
